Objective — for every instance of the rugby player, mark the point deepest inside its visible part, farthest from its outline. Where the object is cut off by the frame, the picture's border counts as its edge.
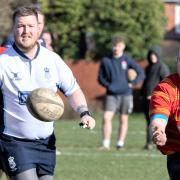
(27, 145)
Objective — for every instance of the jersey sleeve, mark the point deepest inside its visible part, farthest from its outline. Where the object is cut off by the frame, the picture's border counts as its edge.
(161, 101)
(67, 82)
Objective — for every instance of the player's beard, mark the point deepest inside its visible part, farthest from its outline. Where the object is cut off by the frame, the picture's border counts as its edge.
(25, 46)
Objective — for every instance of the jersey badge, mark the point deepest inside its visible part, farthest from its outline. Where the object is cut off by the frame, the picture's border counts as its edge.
(12, 163)
(15, 76)
(47, 73)
(124, 65)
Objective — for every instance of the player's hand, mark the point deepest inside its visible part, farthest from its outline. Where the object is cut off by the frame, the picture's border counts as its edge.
(159, 137)
(149, 97)
(87, 122)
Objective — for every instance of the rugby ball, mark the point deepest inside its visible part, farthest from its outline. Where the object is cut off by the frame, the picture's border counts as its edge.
(132, 74)
(45, 104)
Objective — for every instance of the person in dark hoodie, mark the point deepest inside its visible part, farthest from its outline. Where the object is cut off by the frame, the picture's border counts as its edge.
(113, 76)
(155, 72)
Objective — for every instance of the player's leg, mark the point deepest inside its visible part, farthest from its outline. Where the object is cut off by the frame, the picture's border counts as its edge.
(2, 169)
(126, 107)
(1, 173)
(46, 177)
(7, 177)
(27, 159)
(122, 131)
(45, 170)
(31, 174)
(110, 109)
(26, 175)
(148, 144)
(173, 166)
(107, 128)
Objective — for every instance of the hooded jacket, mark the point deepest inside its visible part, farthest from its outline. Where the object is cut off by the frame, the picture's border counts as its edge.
(155, 72)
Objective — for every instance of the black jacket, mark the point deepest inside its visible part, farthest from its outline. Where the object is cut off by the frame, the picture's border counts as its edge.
(155, 72)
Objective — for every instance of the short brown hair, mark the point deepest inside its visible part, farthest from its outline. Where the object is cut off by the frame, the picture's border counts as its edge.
(117, 39)
(24, 11)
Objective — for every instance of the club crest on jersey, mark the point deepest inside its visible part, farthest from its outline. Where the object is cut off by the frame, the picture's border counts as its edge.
(47, 73)
(15, 76)
(12, 163)
(124, 64)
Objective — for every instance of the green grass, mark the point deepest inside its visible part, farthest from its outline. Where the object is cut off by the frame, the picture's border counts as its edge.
(81, 159)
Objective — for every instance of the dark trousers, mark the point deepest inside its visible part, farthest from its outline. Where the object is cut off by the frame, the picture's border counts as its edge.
(173, 166)
(146, 103)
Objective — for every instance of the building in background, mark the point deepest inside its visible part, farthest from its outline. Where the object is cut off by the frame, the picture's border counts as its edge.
(172, 29)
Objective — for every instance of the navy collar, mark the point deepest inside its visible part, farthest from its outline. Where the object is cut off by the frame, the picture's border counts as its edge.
(22, 54)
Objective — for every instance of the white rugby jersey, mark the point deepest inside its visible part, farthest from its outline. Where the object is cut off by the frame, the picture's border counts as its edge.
(18, 77)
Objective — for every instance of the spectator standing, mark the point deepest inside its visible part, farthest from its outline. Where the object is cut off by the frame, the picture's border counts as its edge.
(154, 73)
(46, 36)
(113, 76)
(41, 24)
(165, 120)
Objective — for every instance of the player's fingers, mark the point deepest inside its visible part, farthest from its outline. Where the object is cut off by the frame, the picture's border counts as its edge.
(160, 140)
(155, 135)
(158, 132)
(156, 138)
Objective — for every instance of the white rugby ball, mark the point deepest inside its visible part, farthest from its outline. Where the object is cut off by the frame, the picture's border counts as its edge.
(45, 104)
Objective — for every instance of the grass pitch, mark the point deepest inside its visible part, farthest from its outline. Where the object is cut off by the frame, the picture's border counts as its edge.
(81, 159)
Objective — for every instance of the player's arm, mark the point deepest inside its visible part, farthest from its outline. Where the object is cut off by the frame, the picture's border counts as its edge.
(157, 130)
(160, 110)
(78, 102)
(70, 88)
(104, 74)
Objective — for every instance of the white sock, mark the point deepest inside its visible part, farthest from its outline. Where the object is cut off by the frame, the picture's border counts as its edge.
(106, 143)
(120, 143)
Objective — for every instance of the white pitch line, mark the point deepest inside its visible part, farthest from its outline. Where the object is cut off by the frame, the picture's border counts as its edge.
(95, 154)
(115, 132)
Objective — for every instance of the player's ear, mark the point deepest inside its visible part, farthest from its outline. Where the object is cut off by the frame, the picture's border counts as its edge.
(39, 30)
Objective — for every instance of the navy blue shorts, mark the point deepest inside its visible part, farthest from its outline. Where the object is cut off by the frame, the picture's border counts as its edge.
(18, 155)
